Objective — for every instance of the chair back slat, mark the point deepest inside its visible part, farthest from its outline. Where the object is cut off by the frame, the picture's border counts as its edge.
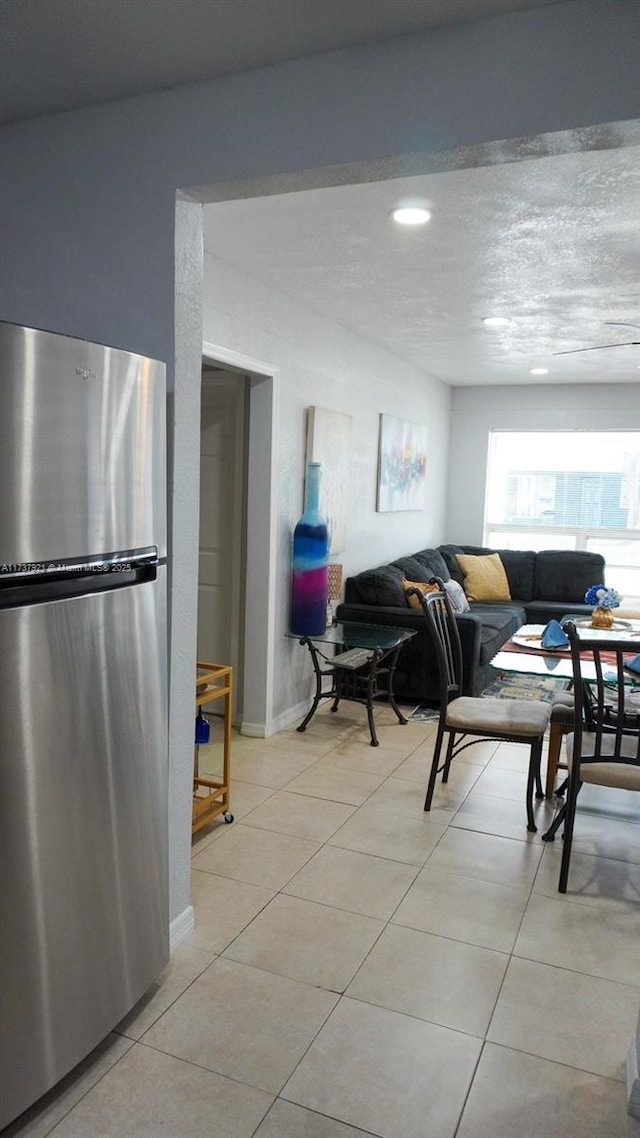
(607, 715)
(446, 638)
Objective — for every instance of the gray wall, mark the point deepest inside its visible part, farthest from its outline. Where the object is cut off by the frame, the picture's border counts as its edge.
(87, 208)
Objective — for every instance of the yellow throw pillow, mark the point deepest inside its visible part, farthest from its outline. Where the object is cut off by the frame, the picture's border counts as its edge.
(484, 577)
(414, 601)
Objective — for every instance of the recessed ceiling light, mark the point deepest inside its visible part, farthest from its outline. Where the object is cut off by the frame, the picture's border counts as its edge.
(496, 321)
(539, 371)
(411, 215)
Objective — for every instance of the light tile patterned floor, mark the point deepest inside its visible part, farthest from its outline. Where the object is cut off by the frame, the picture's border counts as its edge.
(361, 968)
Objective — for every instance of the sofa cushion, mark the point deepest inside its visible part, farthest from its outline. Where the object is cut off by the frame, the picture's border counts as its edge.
(434, 562)
(563, 575)
(381, 586)
(499, 622)
(448, 554)
(413, 569)
(520, 567)
(484, 577)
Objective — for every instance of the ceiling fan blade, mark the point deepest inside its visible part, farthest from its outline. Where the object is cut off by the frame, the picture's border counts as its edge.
(621, 324)
(598, 348)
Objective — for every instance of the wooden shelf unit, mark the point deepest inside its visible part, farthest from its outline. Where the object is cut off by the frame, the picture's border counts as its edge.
(213, 681)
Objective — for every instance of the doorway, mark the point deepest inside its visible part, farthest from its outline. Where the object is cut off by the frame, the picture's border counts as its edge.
(236, 573)
(223, 519)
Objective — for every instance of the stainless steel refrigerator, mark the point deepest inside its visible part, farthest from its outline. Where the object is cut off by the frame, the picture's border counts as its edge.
(83, 707)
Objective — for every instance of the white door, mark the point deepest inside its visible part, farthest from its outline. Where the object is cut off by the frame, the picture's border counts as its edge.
(222, 519)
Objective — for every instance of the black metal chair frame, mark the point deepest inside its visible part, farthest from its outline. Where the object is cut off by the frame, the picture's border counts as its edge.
(446, 639)
(603, 713)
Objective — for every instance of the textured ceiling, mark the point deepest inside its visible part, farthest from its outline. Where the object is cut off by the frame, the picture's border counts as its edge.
(552, 243)
(57, 55)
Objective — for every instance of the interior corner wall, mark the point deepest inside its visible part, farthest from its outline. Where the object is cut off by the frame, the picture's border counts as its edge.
(87, 198)
(321, 364)
(475, 411)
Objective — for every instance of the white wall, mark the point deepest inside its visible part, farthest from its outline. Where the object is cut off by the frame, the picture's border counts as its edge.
(475, 411)
(87, 208)
(321, 364)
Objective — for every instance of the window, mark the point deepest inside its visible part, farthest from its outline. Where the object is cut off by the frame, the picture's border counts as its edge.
(568, 490)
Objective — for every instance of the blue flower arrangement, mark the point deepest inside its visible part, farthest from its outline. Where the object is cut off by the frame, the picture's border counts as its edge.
(602, 597)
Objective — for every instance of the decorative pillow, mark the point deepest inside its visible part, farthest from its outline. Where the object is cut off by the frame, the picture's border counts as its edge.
(414, 601)
(484, 577)
(457, 596)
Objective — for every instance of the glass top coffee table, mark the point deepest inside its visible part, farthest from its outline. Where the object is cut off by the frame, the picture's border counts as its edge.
(359, 660)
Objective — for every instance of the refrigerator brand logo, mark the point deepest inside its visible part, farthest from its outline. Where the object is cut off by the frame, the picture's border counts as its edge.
(86, 373)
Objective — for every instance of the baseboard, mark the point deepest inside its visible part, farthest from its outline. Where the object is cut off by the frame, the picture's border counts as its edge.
(278, 723)
(180, 928)
(253, 730)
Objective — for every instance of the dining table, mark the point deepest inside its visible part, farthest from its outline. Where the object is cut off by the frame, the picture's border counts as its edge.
(524, 655)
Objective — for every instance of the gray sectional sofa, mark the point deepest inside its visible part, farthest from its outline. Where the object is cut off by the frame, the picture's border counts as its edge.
(543, 586)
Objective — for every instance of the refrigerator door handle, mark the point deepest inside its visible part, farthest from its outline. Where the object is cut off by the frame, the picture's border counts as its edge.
(122, 561)
(36, 582)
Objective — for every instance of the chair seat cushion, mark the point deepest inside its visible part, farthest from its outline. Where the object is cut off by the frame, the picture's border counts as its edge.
(563, 708)
(502, 716)
(563, 699)
(621, 775)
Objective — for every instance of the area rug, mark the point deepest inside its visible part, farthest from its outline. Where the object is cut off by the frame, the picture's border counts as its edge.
(510, 686)
(507, 686)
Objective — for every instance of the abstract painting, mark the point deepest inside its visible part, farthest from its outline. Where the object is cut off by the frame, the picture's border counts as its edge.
(402, 465)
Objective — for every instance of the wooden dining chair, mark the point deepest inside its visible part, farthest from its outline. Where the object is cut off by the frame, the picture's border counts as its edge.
(560, 724)
(466, 720)
(604, 746)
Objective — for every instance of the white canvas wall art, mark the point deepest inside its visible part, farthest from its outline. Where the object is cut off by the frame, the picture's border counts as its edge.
(402, 465)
